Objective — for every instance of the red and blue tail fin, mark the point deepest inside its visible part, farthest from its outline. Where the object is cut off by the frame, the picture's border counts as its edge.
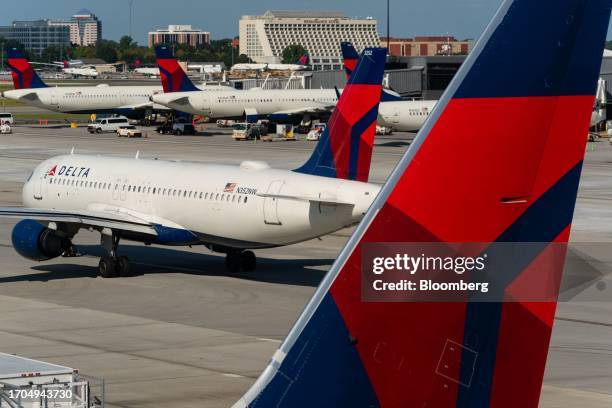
(304, 60)
(24, 76)
(345, 148)
(457, 183)
(349, 57)
(173, 78)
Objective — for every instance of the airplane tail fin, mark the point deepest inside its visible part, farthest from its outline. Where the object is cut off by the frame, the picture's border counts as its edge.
(458, 183)
(349, 57)
(345, 148)
(304, 60)
(24, 76)
(173, 78)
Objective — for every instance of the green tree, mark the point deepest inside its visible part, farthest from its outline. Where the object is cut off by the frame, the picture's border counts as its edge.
(107, 50)
(293, 53)
(127, 43)
(609, 45)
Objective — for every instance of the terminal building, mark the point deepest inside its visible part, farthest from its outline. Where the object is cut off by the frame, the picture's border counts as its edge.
(85, 28)
(426, 46)
(263, 38)
(36, 35)
(179, 34)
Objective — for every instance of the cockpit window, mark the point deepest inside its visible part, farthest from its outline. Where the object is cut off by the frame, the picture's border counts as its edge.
(30, 176)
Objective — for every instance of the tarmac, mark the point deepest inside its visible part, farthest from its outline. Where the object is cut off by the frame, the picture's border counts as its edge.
(182, 332)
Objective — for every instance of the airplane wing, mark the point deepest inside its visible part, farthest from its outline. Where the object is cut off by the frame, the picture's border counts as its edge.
(103, 219)
(146, 105)
(309, 109)
(184, 100)
(116, 218)
(31, 97)
(322, 200)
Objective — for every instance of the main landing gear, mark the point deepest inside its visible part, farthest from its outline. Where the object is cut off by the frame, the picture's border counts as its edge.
(240, 261)
(111, 265)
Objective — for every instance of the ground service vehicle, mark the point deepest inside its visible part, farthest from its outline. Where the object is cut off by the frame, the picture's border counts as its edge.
(129, 131)
(6, 117)
(107, 124)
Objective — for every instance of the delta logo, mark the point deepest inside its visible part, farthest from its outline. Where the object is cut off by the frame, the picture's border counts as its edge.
(69, 171)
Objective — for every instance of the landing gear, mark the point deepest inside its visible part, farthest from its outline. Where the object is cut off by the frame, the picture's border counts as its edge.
(240, 261)
(107, 269)
(111, 266)
(70, 252)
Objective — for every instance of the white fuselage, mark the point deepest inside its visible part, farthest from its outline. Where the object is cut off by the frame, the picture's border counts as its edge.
(87, 99)
(404, 116)
(238, 103)
(221, 204)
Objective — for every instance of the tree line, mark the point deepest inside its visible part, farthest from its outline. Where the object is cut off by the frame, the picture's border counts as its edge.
(127, 50)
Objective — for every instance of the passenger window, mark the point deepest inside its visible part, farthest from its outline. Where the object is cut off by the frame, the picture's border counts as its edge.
(245, 199)
(200, 195)
(154, 190)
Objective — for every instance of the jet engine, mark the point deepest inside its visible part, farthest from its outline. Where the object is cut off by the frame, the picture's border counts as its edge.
(34, 241)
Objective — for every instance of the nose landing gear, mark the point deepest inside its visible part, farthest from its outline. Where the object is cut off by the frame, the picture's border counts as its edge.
(111, 265)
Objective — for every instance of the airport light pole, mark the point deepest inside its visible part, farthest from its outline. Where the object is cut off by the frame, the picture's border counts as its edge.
(131, 2)
(388, 29)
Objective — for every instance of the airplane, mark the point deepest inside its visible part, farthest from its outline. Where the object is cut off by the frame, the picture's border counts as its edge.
(301, 65)
(400, 115)
(77, 68)
(229, 209)
(131, 101)
(148, 71)
(276, 104)
(458, 185)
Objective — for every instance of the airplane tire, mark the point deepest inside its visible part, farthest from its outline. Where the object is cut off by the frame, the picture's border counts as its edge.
(233, 262)
(107, 268)
(123, 266)
(248, 261)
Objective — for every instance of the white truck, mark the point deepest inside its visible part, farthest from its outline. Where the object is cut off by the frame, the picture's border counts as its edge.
(30, 383)
(107, 124)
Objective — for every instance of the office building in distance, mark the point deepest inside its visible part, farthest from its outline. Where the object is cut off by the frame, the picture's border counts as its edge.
(179, 34)
(36, 35)
(85, 28)
(263, 38)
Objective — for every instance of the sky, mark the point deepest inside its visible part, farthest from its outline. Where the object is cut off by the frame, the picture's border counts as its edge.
(461, 18)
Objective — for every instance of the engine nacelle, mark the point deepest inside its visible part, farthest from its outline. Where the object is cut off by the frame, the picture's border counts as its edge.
(34, 241)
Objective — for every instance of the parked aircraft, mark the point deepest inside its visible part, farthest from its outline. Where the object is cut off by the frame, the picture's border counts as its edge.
(279, 104)
(131, 101)
(301, 65)
(230, 209)
(459, 184)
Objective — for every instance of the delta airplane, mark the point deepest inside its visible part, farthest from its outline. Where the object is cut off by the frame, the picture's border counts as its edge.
(181, 95)
(131, 101)
(395, 113)
(301, 65)
(229, 209)
(457, 184)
